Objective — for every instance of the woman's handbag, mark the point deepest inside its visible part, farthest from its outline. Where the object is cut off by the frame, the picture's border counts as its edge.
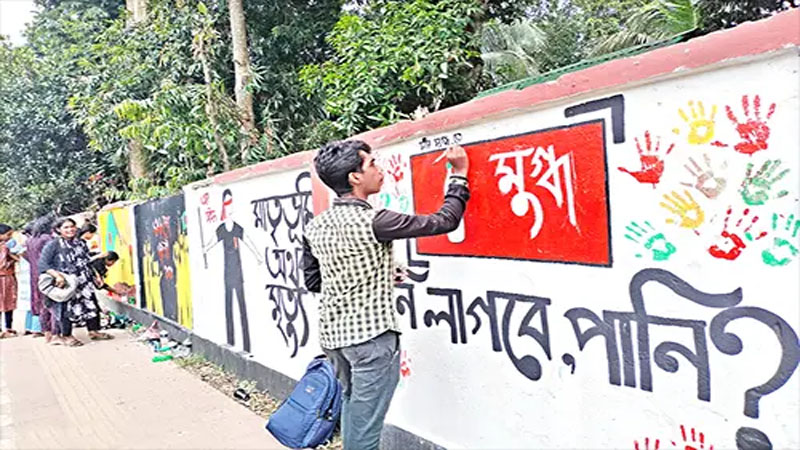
(47, 285)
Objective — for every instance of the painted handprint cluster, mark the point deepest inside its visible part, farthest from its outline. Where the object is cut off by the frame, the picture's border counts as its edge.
(753, 127)
(713, 156)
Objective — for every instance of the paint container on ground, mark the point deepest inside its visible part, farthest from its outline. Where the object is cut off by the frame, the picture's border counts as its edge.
(241, 395)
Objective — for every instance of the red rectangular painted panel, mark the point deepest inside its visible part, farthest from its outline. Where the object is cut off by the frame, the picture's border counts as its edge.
(539, 196)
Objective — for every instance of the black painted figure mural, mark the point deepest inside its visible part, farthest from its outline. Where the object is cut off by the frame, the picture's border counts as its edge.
(232, 236)
(158, 229)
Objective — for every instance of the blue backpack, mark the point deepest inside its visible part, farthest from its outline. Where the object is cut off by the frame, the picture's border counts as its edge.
(309, 415)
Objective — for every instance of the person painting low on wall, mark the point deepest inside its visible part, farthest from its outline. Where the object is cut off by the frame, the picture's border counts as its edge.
(8, 281)
(69, 255)
(348, 258)
(99, 265)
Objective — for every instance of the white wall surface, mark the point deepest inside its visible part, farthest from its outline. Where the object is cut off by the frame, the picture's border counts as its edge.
(461, 388)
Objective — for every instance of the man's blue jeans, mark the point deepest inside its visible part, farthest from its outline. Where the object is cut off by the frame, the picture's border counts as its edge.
(369, 373)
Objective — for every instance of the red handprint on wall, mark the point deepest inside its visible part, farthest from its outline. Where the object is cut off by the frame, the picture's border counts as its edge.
(693, 440)
(651, 160)
(733, 237)
(396, 167)
(754, 130)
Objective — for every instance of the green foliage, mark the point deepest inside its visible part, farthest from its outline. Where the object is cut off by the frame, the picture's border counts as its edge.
(508, 50)
(662, 19)
(111, 7)
(396, 57)
(143, 84)
(653, 22)
(602, 18)
(566, 37)
(285, 36)
(555, 35)
(43, 158)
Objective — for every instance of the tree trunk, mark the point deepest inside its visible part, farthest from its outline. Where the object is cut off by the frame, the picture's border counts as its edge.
(241, 62)
(138, 10)
(211, 106)
(137, 163)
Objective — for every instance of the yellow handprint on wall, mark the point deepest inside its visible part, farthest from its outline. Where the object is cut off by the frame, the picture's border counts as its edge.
(701, 128)
(688, 211)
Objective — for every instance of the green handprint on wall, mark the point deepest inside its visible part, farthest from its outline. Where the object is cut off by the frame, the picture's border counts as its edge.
(784, 244)
(661, 249)
(756, 188)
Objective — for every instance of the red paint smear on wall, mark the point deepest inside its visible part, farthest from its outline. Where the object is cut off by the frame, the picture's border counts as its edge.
(493, 230)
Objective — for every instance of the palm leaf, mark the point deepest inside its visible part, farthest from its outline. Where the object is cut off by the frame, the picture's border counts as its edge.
(658, 20)
(507, 50)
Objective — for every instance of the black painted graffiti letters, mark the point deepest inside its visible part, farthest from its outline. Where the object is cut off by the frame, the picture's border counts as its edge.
(284, 217)
(527, 365)
(292, 210)
(440, 142)
(287, 309)
(626, 335)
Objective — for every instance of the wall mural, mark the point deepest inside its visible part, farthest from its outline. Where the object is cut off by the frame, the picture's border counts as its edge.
(164, 259)
(252, 252)
(539, 178)
(115, 230)
(548, 201)
(629, 260)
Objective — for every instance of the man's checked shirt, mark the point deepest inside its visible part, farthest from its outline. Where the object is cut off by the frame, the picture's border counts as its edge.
(348, 257)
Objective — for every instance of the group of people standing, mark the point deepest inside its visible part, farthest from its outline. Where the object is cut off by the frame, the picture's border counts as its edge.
(55, 247)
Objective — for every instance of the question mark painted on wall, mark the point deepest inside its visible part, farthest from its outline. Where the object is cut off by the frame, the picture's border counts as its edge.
(730, 344)
(570, 361)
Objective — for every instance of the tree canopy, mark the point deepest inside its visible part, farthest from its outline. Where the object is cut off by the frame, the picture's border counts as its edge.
(100, 105)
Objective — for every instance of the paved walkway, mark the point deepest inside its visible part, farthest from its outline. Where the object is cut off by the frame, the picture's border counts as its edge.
(108, 394)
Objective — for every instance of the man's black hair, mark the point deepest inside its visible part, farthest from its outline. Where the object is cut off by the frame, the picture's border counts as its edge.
(87, 228)
(336, 160)
(4, 228)
(112, 256)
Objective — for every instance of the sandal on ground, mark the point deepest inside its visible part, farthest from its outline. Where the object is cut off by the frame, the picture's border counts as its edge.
(37, 334)
(101, 336)
(73, 342)
(6, 334)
